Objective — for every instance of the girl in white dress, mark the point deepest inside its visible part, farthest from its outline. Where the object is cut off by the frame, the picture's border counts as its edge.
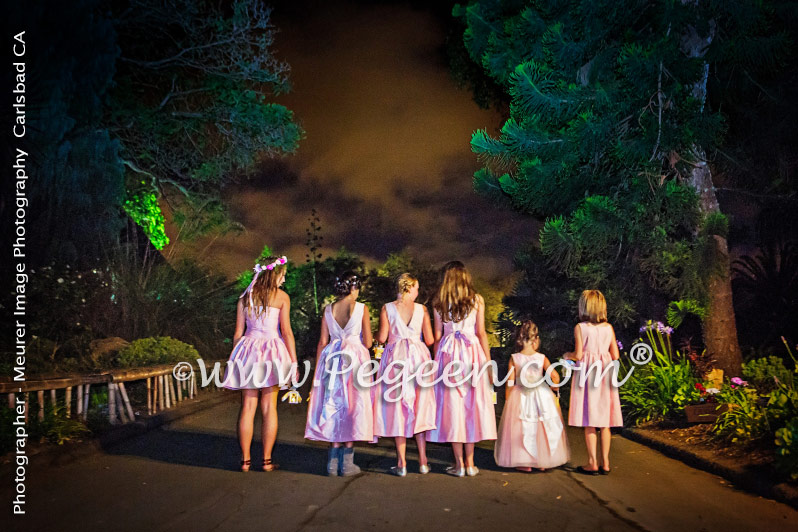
(531, 431)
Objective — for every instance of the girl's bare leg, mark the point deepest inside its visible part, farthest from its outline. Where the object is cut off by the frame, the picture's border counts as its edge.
(457, 449)
(469, 455)
(246, 421)
(606, 438)
(421, 442)
(401, 452)
(590, 442)
(268, 409)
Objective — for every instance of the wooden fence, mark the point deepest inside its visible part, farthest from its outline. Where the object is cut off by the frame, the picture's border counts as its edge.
(163, 391)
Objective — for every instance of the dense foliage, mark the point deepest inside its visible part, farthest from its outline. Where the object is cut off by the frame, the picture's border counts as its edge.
(190, 104)
(607, 138)
(157, 350)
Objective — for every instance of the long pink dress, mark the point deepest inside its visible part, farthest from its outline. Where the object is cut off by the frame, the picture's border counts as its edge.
(594, 406)
(414, 411)
(260, 358)
(531, 431)
(464, 413)
(339, 409)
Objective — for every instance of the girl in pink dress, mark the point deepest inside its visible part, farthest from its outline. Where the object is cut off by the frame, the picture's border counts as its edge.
(464, 414)
(340, 410)
(531, 431)
(594, 406)
(402, 324)
(262, 355)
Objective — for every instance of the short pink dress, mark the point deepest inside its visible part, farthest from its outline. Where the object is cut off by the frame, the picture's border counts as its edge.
(414, 409)
(465, 413)
(594, 406)
(531, 431)
(340, 410)
(260, 358)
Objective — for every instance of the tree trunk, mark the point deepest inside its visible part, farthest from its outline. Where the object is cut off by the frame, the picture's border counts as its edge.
(719, 327)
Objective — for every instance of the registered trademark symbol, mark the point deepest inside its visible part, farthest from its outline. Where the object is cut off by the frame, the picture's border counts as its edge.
(641, 353)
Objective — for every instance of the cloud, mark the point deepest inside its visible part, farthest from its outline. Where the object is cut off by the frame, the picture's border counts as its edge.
(386, 161)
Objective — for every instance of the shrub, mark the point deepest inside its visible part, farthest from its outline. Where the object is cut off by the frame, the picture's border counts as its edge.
(787, 448)
(156, 350)
(745, 418)
(55, 426)
(663, 387)
(765, 373)
(659, 390)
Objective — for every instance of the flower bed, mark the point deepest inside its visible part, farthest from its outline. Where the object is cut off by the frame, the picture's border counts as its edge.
(737, 417)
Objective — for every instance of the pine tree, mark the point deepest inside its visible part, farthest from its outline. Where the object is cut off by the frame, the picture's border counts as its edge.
(607, 137)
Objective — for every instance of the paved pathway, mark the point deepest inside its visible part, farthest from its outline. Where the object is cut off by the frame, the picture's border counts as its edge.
(184, 477)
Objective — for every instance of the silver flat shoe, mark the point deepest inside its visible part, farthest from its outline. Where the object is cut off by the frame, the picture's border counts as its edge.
(423, 469)
(472, 471)
(398, 471)
(455, 471)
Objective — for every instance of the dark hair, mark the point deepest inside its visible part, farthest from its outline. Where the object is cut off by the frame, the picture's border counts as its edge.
(527, 331)
(345, 283)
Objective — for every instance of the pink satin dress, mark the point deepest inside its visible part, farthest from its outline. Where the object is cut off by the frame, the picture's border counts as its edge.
(260, 358)
(414, 409)
(594, 406)
(464, 413)
(340, 410)
(531, 431)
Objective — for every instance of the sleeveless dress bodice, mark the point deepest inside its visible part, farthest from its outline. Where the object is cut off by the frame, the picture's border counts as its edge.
(264, 324)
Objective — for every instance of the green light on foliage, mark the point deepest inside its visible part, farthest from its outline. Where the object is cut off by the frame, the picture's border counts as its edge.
(143, 208)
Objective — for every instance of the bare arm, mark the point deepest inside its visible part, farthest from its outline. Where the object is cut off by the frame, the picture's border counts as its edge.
(426, 329)
(438, 334)
(510, 376)
(285, 326)
(481, 334)
(614, 352)
(368, 339)
(385, 326)
(576, 354)
(324, 339)
(555, 377)
(241, 322)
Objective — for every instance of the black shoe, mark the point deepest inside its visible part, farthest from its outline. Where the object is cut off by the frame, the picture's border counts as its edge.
(584, 471)
(603, 471)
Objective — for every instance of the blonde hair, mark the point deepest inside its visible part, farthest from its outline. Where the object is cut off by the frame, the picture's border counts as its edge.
(265, 288)
(592, 307)
(404, 283)
(527, 331)
(456, 297)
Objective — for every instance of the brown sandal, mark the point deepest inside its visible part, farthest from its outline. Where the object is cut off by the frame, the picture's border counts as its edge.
(245, 463)
(268, 465)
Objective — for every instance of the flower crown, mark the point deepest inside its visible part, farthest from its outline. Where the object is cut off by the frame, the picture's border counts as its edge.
(282, 260)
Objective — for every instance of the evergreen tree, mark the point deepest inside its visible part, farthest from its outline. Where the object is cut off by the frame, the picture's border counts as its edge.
(607, 137)
(190, 106)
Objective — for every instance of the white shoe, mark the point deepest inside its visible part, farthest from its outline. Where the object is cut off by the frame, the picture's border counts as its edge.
(472, 471)
(423, 469)
(398, 471)
(455, 471)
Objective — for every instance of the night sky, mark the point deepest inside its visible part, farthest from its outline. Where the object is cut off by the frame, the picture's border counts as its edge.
(386, 161)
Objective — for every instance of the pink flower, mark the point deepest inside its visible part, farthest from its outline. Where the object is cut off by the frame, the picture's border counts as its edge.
(739, 382)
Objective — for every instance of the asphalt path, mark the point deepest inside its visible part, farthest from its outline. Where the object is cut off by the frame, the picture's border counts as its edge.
(184, 476)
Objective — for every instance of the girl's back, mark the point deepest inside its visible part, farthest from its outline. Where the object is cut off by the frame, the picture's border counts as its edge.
(596, 338)
(465, 326)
